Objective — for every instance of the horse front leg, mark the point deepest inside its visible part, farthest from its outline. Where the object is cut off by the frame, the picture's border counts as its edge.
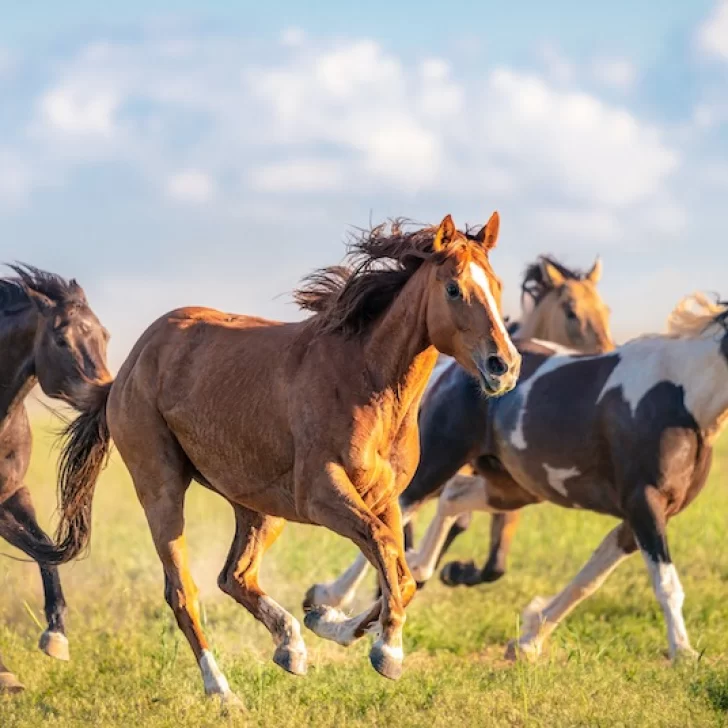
(19, 527)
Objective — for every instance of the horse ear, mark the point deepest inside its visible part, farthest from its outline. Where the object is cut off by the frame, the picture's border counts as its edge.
(41, 302)
(552, 275)
(488, 235)
(595, 274)
(445, 233)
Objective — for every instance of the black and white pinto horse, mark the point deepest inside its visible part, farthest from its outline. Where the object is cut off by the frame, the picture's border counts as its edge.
(627, 433)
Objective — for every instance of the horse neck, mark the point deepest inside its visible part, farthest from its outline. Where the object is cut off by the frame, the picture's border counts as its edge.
(17, 366)
(398, 353)
(700, 364)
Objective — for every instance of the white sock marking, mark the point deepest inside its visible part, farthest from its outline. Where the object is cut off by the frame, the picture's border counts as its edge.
(215, 682)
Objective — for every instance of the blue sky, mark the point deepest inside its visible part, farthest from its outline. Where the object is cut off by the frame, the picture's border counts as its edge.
(171, 153)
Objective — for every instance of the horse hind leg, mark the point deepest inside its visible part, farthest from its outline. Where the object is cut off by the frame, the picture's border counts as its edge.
(542, 616)
(647, 518)
(8, 682)
(162, 473)
(254, 533)
(19, 527)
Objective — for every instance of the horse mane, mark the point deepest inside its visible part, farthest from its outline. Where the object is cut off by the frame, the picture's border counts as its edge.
(15, 291)
(537, 286)
(696, 313)
(349, 298)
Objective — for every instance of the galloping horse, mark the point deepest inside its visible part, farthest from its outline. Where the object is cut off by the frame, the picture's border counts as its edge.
(628, 434)
(50, 336)
(560, 305)
(314, 422)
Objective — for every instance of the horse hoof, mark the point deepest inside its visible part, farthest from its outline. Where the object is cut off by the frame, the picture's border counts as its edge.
(317, 596)
(386, 660)
(458, 573)
(685, 656)
(55, 644)
(522, 651)
(10, 684)
(230, 703)
(290, 659)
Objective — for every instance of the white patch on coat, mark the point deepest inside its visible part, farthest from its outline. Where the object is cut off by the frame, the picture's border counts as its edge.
(695, 364)
(215, 682)
(518, 439)
(557, 477)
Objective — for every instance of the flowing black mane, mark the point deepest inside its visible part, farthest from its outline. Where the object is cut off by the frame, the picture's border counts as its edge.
(15, 291)
(536, 285)
(348, 298)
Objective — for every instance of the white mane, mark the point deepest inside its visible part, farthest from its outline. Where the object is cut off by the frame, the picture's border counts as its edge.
(693, 315)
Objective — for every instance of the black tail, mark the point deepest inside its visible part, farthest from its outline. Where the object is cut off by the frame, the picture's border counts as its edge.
(84, 455)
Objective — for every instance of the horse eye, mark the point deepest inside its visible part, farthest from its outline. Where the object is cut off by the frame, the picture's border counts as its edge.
(570, 314)
(61, 342)
(453, 290)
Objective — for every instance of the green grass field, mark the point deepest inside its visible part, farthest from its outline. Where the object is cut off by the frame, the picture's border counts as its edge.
(131, 666)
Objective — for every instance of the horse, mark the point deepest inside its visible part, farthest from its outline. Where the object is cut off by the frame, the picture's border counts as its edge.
(313, 422)
(627, 433)
(49, 336)
(560, 305)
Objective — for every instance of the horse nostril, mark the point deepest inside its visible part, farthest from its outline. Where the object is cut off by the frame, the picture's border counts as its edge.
(496, 366)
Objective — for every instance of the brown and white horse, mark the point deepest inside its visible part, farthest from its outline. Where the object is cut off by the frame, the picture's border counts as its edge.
(560, 305)
(314, 422)
(48, 336)
(628, 434)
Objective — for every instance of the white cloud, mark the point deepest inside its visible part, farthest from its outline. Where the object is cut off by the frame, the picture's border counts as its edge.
(298, 175)
(190, 186)
(16, 178)
(712, 36)
(78, 111)
(558, 68)
(293, 37)
(618, 73)
(595, 152)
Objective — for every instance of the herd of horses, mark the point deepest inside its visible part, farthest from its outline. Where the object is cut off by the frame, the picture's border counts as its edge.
(404, 384)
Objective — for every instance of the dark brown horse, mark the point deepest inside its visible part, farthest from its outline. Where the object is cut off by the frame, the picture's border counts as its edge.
(49, 336)
(314, 422)
(560, 305)
(628, 433)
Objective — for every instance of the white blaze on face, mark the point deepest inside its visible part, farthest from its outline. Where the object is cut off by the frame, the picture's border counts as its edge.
(481, 280)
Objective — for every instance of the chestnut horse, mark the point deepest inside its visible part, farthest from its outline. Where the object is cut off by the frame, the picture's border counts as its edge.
(628, 433)
(314, 422)
(560, 305)
(48, 336)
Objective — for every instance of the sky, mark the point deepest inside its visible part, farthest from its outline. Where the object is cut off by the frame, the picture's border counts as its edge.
(186, 153)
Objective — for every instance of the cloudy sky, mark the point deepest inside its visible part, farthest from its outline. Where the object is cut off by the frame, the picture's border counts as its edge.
(167, 153)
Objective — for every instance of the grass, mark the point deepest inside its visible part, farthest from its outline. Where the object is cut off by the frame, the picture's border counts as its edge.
(131, 667)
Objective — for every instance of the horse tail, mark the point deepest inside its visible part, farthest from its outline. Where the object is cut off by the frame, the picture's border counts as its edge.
(85, 452)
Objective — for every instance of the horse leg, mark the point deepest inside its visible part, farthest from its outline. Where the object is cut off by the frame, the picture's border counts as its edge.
(648, 521)
(8, 682)
(463, 493)
(339, 507)
(254, 533)
(466, 573)
(19, 527)
(542, 616)
(162, 498)
(341, 592)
